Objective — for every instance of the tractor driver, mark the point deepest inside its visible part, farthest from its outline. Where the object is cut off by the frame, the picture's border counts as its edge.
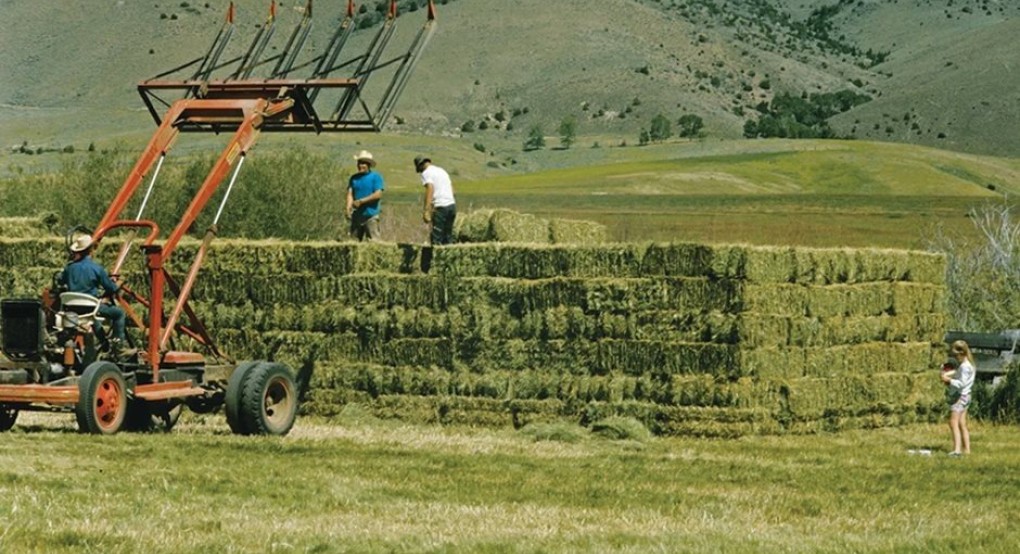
(82, 274)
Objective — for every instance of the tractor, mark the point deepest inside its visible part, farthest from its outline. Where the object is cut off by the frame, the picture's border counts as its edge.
(56, 360)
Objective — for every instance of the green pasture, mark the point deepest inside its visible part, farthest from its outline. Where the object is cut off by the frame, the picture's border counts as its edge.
(781, 192)
(819, 193)
(357, 484)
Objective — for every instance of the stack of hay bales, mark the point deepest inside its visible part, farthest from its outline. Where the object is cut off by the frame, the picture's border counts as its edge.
(509, 226)
(691, 339)
(29, 227)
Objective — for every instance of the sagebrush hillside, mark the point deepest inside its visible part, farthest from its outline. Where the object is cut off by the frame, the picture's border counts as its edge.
(939, 72)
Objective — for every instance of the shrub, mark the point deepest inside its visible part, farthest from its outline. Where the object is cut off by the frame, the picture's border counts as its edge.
(1001, 403)
(982, 276)
(276, 195)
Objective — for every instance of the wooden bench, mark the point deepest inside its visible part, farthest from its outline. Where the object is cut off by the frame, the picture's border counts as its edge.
(993, 352)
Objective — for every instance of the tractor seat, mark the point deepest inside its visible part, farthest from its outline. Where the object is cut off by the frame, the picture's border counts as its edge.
(84, 306)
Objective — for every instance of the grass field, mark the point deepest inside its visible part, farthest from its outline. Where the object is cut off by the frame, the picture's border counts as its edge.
(809, 193)
(364, 485)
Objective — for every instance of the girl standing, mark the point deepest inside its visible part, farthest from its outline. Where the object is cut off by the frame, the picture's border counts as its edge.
(960, 386)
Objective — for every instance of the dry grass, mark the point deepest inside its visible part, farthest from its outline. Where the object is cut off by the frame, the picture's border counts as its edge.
(362, 485)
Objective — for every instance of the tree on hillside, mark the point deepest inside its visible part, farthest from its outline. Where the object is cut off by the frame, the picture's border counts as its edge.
(536, 138)
(568, 131)
(690, 125)
(661, 129)
(804, 116)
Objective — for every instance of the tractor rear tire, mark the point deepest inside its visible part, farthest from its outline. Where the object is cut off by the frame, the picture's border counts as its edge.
(232, 398)
(7, 418)
(102, 399)
(269, 400)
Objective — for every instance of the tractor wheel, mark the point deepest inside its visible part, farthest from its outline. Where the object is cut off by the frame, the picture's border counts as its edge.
(7, 418)
(232, 398)
(145, 416)
(102, 399)
(269, 400)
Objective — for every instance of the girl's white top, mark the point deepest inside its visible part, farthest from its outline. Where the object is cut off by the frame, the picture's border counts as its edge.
(965, 378)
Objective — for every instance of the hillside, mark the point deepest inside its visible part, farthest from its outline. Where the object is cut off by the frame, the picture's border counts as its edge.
(69, 67)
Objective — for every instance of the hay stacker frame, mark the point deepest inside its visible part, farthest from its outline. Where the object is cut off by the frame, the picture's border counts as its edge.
(54, 359)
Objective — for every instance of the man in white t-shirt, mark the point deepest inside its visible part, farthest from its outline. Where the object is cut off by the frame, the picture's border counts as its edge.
(440, 209)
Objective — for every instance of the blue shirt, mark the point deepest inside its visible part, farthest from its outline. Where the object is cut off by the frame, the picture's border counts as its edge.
(362, 185)
(86, 276)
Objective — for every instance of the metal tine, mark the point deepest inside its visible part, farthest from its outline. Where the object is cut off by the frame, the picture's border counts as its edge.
(403, 73)
(370, 58)
(336, 44)
(258, 45)
(216, 50)
(294, 44)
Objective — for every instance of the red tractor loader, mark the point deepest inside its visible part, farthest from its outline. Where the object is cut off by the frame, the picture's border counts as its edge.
(54, 359)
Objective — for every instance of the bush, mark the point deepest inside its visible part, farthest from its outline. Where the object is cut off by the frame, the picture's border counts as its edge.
(1002, 403)
(982, 276)
(284, 195)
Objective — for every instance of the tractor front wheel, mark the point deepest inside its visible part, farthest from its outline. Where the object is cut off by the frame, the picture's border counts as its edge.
(102, 399)
(7, 418)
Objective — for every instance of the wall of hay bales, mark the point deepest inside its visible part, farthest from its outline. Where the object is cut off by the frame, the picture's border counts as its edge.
(691, 339)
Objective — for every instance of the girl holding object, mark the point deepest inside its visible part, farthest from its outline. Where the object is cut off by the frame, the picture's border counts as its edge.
(960, 383)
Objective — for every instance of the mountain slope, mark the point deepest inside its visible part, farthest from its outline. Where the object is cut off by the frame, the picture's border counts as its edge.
(939, 71)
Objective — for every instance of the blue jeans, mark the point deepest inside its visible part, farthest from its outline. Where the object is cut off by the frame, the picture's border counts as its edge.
(118, 319)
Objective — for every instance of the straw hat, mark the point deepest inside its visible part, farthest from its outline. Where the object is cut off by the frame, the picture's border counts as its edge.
(365, 156)
(81, 243)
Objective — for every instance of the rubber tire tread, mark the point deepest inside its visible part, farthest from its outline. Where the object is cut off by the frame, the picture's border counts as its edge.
(253, 398)
(232, 398)
(7, 418)
(87, 385)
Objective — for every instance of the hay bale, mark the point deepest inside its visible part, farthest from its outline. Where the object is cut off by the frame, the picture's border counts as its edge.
(679, 259)
(18, 253)
(501, 226)
(572, 231)
(40, 226)
(474, 226)
(511, 226)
